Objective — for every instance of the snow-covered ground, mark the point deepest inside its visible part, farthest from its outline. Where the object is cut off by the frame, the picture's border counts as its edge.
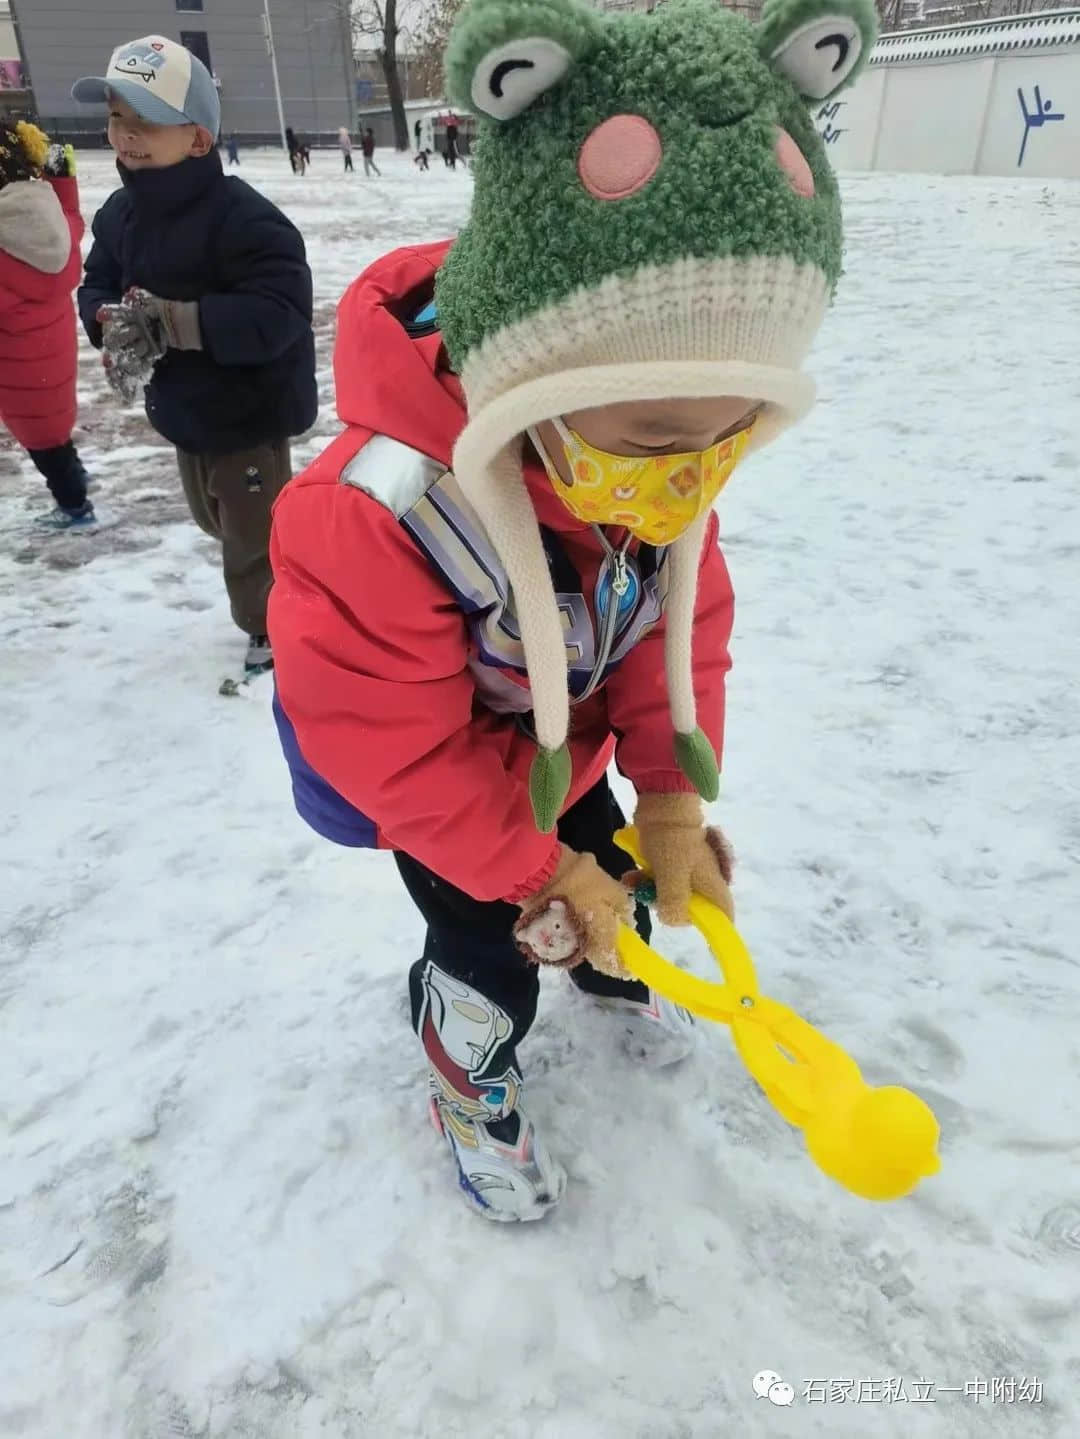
(210, 1096)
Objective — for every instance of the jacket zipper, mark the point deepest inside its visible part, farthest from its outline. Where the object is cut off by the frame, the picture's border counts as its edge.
(620, 583)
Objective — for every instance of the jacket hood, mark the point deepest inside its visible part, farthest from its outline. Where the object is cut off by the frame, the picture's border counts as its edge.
(390, 381)
(387, 380)
(33, 228)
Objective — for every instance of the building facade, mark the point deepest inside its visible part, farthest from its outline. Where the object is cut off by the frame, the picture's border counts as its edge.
(12, 79)
(371, 89)
(63, 39)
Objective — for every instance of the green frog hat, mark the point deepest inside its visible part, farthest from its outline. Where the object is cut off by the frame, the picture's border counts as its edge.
(654, 217)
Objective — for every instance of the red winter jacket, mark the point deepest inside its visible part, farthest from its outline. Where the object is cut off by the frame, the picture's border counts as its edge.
(382, 685)
(40, 265)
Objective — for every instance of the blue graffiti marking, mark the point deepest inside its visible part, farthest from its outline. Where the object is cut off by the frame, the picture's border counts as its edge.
(831, 133)
(1034, 120)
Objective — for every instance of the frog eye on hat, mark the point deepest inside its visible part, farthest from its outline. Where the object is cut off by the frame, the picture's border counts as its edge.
(504, 54)
(820, 45)
(510, 77)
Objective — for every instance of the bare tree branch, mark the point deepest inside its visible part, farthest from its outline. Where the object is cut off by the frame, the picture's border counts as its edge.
(378, 18)
(432, 34)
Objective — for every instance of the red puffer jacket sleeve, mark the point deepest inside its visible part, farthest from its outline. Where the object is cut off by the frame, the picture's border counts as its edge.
(67, 192)
(637, 695)
(371, 662)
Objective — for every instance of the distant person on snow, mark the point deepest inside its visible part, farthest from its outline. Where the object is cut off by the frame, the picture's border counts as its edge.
(452, 142)
(367, 145)
(345, 141)
(422, 159)
(233, 150)
(40, 265)
(505, 573)
(417, 131)
(198, 288)
(291, 147)
(297, 151)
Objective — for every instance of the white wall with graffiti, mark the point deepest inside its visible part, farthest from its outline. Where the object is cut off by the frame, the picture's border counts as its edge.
(996, 98)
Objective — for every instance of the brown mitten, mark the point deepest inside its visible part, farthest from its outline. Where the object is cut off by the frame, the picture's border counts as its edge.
(682, 855)
(575, 917)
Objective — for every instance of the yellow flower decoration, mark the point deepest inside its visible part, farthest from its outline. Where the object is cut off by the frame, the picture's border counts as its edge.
(34, 142)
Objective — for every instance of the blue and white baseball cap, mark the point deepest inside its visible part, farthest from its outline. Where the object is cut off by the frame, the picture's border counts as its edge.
(161, 80)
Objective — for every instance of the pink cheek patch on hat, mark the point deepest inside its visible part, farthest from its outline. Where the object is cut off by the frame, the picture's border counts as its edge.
(620, 157)
(793, 163)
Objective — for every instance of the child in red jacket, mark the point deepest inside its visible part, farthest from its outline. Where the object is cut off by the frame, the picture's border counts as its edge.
(505, 572)
(40, 265)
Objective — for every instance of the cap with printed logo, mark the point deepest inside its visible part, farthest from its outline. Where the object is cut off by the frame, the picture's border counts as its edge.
(161, 80)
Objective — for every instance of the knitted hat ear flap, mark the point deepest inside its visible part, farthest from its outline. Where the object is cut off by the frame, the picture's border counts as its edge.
(497, 493)
(694, 753)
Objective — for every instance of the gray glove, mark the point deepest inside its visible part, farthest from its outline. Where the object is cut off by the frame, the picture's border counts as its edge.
(59, 162)
(131, 345)
(137, 332)
(178, 320)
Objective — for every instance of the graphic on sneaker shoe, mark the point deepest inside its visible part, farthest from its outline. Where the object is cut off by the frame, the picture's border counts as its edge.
(504, 1169)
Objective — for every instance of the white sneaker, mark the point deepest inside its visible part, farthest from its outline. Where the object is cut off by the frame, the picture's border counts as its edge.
(504, 1168)
(656, 1032)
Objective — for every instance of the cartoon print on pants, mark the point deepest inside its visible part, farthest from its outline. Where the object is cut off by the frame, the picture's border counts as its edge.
(462, 1031)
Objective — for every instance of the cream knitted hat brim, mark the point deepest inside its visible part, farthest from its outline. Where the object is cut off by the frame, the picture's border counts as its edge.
(760, 314)
(760, 311)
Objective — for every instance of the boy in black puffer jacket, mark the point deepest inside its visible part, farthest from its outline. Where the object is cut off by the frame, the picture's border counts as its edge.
(198, 288)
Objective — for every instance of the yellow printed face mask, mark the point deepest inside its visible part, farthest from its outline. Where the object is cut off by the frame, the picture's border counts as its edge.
(655, 497)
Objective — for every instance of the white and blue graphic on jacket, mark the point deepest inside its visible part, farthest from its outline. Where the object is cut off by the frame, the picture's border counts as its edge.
(451, 535)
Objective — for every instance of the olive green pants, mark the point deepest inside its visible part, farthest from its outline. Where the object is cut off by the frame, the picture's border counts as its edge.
(230, 497)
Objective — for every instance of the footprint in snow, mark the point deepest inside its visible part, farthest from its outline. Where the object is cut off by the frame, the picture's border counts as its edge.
(125, 1243)
(1060, 1230)
(931, 1049)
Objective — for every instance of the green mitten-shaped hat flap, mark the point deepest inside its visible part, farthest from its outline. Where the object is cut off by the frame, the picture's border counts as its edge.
(549, 784)
(696, 758)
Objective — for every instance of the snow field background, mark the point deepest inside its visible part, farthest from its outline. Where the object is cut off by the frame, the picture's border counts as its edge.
(212, 1124)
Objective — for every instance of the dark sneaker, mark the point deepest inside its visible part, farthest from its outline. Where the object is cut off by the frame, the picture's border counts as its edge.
(82, 517)
(259, 656)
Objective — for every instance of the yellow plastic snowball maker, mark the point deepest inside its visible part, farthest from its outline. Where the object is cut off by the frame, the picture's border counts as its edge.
(876, 1142)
